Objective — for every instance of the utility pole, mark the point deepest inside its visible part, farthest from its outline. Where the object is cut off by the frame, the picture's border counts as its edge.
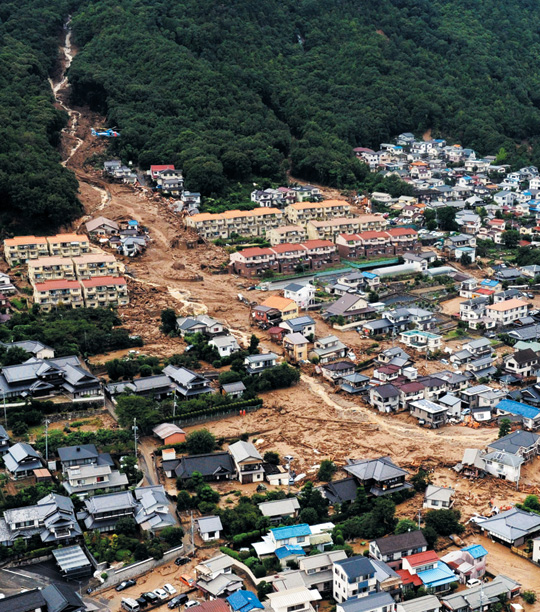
(419, 518)
(5, 413)
(174, 404)
(192, 531)
(47, 441)
(135, 429)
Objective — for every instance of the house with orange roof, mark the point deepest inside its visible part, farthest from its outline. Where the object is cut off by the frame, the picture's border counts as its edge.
(287, 307)
(20, 249)
(504, 313)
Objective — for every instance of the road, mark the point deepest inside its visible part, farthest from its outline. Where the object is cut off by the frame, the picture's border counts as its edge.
(147, 464)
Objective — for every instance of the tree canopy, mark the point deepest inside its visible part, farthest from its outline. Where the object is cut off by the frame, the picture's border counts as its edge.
(238, 91)
(37, 193)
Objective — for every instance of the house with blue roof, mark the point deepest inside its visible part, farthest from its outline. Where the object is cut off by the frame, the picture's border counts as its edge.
(467, 563)
(244, 601)
(438, 579)
(530, 415)
(426, 568)
(289, 552)
(287, 540)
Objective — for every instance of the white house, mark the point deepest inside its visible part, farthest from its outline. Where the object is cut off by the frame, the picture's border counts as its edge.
(437, 498)
(303, 295)
(210, 528)
(225, 345)
(504, 465)
(298, 599)
(353, 578)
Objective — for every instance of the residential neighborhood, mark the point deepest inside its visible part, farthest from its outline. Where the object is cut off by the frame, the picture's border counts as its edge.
(342, 412)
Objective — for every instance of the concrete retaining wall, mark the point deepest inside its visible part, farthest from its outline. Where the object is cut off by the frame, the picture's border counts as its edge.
(115, 576)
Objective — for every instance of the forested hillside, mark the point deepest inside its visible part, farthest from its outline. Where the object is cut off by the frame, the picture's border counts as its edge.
(36, 192)
(228, 91)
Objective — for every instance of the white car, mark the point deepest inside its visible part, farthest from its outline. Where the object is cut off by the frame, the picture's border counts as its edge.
(473, 582)
(169, 588)
(191, 604)
(160, 593)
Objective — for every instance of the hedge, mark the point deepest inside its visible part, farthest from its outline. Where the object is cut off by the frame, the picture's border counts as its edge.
(232, 553)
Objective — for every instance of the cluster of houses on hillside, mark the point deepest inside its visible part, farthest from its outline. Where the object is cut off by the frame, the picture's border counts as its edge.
(127, 238)
(63, 270)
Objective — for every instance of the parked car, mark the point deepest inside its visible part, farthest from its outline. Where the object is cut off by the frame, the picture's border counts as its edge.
(182, 560)
(473, 582)
(150, 597)
(191, 604)
(177, 601)
(126, 584)
(169, 588)
(142, 602)
(190, 582)
(160, 593)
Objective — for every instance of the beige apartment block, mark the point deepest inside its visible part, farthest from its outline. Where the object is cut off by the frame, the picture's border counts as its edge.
(241, 222)
(332, 228)
(286, 234)
(50, 268)
(301, 213)
(68, 245)
(105, 291)
(97, 264)
(54, 293)
(23, 248)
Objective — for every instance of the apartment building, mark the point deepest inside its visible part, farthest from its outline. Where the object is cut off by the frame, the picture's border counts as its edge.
(290, 234)
(303, 212)
(68, 245)
(504, 313)
(395, 241)
(242, 222)
(53, 293)
(96, 264)
(23, 248)
(50, 268)
(330, 229)
(105, 291)
(284, 258)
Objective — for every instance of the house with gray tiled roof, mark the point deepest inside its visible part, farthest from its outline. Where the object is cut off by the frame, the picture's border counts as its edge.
(378, 476)
(52, 519)
(21, 460)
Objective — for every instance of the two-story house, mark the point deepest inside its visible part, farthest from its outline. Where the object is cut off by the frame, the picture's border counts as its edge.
(187, 383)
(256, 364)
(385, 398)
(303, 600)
(52, 519)
(248, 462)
(328, 349)
(102, 512)
(522, 363)
(393, 548)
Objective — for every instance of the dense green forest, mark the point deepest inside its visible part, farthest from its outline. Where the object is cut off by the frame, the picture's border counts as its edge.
(36, 192)
(233, 91)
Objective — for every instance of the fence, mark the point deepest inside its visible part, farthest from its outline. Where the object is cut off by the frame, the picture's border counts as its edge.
(520, 552)
(215, 416)
(115, 576)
